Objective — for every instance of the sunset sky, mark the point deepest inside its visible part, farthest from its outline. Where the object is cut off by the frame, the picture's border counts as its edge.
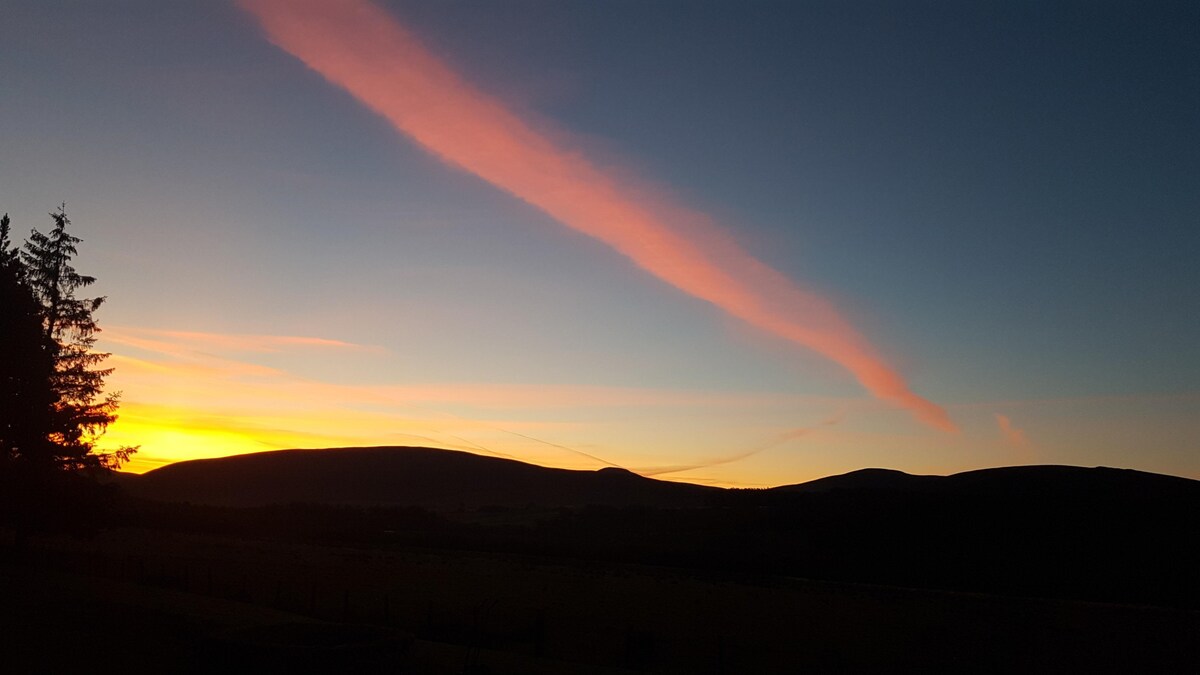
(735, 243)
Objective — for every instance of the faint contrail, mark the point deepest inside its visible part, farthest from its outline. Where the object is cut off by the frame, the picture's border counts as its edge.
(561, 447)
(761, 447)
(464, 441)
(510, 432)
(357, 46)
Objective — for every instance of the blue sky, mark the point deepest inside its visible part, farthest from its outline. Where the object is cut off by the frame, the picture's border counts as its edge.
(1000, 196)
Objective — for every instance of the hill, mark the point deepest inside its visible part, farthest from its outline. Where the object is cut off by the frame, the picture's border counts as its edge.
(863, 479)
(402, 476)
(1050, 531)
(1097, 533)
(1013, 481)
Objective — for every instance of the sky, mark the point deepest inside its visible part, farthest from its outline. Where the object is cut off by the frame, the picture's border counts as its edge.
(742, 244)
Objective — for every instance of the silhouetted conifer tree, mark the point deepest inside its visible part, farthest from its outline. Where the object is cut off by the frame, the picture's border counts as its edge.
(9, 256)
(79, 410)
(26, 361)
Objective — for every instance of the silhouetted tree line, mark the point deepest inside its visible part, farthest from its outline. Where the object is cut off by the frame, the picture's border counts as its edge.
(53, 407)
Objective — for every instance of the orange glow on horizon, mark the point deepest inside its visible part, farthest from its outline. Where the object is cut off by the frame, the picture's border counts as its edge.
(173, 434)
(193, 398)
(360, 48)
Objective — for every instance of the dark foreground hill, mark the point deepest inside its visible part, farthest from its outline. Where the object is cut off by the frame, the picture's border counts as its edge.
(428, 561)
(402, 476)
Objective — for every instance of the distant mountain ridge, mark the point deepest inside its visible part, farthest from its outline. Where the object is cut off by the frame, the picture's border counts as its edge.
(1060, 480)
(1114, 535)
(862, 479)
(402, 476)
(448, 479)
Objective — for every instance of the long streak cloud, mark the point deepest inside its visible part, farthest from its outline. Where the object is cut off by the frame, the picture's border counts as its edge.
(360, 48)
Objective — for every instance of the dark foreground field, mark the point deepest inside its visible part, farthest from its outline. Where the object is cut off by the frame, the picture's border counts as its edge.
(418, 560)
(135, 600)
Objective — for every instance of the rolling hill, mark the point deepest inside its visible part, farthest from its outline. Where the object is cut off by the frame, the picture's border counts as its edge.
(441, 479)
(402, 476)
(1075, 482)
(1052, 531)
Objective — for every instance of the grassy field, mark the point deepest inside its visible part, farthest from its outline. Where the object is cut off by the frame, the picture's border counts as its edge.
(171, 599)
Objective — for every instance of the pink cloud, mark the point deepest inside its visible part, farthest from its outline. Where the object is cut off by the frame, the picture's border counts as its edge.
(1014, 436)
(158, 340)
(360, 48)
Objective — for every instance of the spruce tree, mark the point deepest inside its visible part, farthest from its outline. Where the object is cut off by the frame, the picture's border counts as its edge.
(9, 256)
(81, 411)
(26, 362)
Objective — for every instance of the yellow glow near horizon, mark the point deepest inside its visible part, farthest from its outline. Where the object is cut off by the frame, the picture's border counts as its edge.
(173, 434)
(173, 445)
(196, 395)
(166, 436)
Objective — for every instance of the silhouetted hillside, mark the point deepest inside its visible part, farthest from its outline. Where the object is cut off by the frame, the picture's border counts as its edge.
(1012, 481)
(1105, 533)
(863, 479)
(1054, 531)
(402, 476)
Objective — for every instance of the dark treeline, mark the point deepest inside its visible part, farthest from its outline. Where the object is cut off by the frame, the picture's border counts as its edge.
(1056, 544)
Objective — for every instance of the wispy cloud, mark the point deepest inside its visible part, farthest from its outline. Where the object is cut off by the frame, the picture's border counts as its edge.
(1014, 436)
(362, 49)
(182, 403)
(180, 341)
(213, 367)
